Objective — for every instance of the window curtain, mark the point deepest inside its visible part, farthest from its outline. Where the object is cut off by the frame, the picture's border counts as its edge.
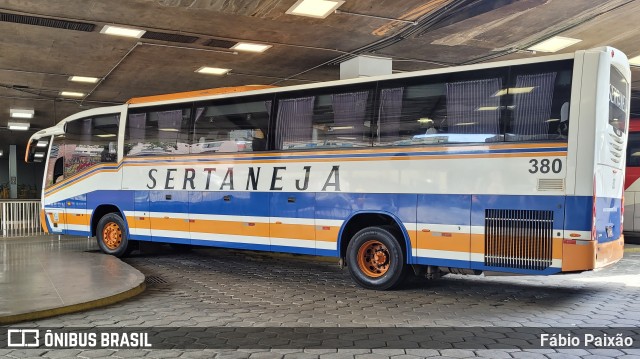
(349, 110)
(136, 125)
(390, 114)
(169, 124)
(294, 123)
(472, 107)
(532, 110)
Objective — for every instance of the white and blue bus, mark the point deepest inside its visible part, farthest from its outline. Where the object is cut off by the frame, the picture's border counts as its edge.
(513, 166)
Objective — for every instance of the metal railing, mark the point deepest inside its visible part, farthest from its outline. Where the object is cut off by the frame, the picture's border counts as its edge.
(20, 218)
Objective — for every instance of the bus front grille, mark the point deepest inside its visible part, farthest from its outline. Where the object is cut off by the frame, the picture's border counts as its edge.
(518, 239)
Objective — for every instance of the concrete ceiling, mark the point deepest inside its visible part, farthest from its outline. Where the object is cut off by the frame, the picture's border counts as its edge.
(36, 60)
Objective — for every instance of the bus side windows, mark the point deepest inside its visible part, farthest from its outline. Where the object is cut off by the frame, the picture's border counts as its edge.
(325, 119)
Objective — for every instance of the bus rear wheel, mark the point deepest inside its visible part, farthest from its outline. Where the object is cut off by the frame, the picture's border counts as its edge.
(375, 259)
(112, 236)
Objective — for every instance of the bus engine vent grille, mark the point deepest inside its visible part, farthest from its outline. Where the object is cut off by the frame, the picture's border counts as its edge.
(550, 184)
(518, 238)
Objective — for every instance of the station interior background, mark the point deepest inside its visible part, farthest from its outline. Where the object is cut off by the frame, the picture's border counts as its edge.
(45, 43)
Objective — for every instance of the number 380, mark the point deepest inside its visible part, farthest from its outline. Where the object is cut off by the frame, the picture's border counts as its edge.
(545, 166)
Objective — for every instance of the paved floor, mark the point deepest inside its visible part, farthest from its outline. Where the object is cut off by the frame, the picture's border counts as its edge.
(225, 288)
(43, 276)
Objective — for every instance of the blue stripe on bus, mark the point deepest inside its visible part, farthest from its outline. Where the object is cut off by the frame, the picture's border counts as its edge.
(234, 245)
(578, 213)
(76, 233)
(546, 271)
(511, 202)
(570, 212)
(294, 250)
(453, 263)
(444, 209)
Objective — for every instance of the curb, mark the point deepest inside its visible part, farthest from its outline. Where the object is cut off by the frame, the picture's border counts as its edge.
(97, 303)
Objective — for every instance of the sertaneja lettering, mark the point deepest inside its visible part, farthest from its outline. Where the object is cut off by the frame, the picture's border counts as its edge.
(252, 180)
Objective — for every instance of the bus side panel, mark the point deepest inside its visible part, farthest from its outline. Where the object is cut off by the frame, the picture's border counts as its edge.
(578, 250)
(230, 219)
(77, 217)
(444, 232)
(511, 246)
(169, 216)
(139, 219)
(292, 226)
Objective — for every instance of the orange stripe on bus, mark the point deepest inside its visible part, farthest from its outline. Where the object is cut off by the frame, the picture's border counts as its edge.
(43, 221)
(199, 93)
(76, 218)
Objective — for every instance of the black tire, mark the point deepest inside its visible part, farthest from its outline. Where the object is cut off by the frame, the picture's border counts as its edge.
(112, 237)
(375, 259)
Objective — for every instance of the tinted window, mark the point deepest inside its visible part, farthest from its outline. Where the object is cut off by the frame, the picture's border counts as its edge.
(536, 101)
(158, 131)
(238, 125)
(459, 107)
(618, 97)
(89, 141)
(324, 119)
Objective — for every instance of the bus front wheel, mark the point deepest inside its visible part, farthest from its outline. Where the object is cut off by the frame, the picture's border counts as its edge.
(112, 236)
(375, 259)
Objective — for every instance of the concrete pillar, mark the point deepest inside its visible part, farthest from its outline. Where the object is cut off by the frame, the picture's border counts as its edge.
(365, 66)
(13, 173)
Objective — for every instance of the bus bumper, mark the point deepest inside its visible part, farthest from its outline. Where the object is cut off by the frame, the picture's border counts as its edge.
(587, 255)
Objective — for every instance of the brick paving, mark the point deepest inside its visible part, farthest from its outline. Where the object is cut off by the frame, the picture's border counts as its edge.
(225, 288)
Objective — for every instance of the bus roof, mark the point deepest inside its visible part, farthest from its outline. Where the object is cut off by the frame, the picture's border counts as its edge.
(198, 93)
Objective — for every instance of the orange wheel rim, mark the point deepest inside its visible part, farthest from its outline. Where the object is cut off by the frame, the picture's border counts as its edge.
(112, 235)
(373, 258)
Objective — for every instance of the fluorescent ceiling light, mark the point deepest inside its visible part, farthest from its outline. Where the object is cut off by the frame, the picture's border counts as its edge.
(425, 120)
(18, 126)
(168, 129)
(1, 153)
(212, 70)
(71, 94)
(122, 31)
(91, 80)
(20, 113)
(314, 8)
(250, 47)
(465, 123)
(106, 135)
(42, 143)
(487, 108)
(635, 61)
(340, 128)
(38, 155)
(514, 91)
(553, 120)
(554, 44)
